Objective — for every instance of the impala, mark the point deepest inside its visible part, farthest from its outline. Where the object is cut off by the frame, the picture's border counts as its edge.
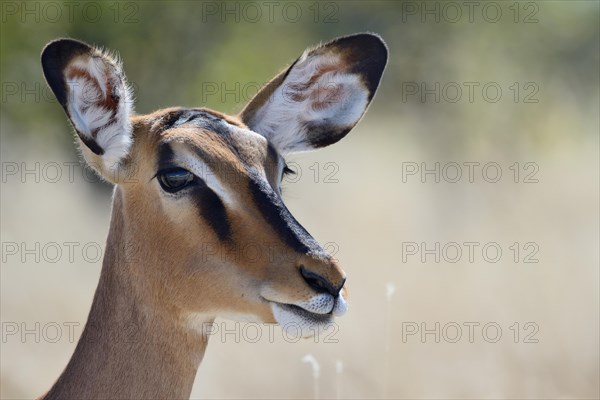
(191, 187)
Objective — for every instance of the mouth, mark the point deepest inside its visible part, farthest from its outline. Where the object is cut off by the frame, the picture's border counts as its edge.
(315, 318)
(310, 318)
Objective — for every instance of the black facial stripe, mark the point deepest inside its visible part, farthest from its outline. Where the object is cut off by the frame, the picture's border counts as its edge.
(277, 215)
(209, 205)
(212, 210)
(166, 157)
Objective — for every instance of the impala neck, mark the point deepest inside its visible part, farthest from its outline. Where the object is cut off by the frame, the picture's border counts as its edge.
(129, 348)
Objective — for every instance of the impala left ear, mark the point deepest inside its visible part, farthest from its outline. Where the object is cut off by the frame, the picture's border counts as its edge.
(91, 87)
(321, 96)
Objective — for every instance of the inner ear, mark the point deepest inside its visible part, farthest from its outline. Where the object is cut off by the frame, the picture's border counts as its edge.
(91, 87)
(321, 96)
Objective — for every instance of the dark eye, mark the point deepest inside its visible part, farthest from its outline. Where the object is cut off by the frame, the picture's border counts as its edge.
(173, 180)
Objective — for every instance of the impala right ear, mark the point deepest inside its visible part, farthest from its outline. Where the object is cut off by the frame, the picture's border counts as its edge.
(321, 96)
(91, 87)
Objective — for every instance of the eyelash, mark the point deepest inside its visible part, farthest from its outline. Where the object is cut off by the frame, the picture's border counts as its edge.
(165, 175)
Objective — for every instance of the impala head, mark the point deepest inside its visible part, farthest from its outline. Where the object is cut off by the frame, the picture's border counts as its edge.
(198, 192)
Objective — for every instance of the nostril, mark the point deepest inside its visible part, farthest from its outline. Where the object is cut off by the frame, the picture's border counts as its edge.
(319, 283)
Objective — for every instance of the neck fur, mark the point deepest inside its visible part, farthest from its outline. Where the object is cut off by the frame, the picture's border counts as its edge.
(129, 348)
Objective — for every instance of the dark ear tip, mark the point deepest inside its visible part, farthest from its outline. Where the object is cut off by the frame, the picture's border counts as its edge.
(55, 57)
(372, 38)
(378, 45)
(62, 47)
(370, 41)
(367, 54)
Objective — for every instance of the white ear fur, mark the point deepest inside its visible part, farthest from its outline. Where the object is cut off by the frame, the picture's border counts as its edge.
(99, 105)
(92, 89)
(315, 93)
(320, 98)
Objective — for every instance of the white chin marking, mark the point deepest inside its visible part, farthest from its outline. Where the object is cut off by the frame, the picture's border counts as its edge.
(298, 322)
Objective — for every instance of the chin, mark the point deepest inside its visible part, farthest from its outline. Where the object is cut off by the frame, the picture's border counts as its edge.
(296, 321)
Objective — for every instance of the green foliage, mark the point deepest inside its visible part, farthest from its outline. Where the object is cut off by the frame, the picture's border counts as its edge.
(216, 54)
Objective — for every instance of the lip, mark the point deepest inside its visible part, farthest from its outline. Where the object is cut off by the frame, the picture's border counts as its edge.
(303, 313)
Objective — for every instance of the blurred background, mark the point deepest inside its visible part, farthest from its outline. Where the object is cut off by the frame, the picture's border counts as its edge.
(483, 136)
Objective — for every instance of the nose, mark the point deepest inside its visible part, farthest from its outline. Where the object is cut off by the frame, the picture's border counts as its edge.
(321, 284)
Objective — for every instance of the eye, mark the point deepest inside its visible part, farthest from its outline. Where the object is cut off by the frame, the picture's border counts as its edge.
(173, 180)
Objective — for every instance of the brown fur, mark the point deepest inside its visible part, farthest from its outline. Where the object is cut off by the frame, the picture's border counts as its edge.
(155, 274)
(166, 270)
